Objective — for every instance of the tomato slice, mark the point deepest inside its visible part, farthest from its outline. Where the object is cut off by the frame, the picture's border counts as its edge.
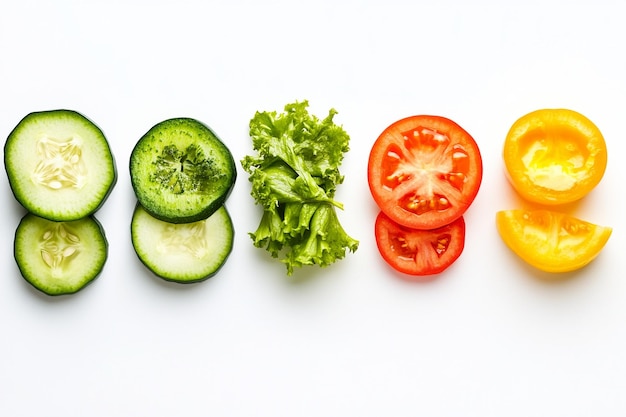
(424, 171)
(551, 241)
(554, 156)
(419, 252)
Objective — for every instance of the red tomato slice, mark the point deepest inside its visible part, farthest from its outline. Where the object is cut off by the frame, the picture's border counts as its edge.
(424, 171)
(419, 252)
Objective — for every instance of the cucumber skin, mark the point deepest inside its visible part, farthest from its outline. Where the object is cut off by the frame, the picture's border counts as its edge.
(86, 283)
(36, 210)
(188, 281)
(210, 208)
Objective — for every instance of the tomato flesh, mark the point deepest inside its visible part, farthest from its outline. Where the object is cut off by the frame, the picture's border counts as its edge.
(424, 171)
(554, 156)
(419, 252)
(551, 241)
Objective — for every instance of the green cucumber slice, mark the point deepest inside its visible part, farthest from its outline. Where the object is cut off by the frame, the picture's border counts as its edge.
(181, 171)
(182, 252)
(60, 257)
(59, 164)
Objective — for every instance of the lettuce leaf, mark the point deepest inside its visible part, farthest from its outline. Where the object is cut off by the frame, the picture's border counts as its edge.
(294, 176)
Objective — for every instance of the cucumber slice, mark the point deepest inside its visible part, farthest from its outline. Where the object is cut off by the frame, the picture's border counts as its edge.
(181, 171)
(60, 257)
(59, 165)
(183, 252)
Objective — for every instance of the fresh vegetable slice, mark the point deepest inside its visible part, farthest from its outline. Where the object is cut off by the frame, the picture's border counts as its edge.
(424, 171)
(59, 165)
(419, 252)
(554, 156)
(183, 252)
(60, 257)
(294, 177)
(181, 171)
(551, 241)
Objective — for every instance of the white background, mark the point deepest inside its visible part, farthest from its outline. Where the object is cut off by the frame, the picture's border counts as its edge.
(487, 338)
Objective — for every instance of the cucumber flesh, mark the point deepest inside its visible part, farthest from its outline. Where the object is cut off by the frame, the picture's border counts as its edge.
(59, 164)
(181, 172)
(60, 257)
(182, 252)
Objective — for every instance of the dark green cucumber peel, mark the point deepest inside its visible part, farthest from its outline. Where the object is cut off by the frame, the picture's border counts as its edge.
(60, 258)
(181, 172)
(59, 165)
(185, 252)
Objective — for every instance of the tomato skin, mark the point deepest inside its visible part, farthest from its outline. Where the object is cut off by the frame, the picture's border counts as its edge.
(415, 252)
(424, 171)
(554, 156)
(551, 241)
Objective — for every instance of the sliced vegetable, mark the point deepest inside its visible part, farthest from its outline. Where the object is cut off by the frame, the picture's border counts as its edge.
(419, 252)
(181, 171)
(184, 252)
(424, 171)
(59, 165)
(551, 241)
(554, 156)
(294, 177)
(60, 257)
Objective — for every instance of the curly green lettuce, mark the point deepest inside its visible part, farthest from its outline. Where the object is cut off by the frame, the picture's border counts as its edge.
(294, 177)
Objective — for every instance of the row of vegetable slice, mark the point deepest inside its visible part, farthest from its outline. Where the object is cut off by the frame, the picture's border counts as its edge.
(423, 172)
